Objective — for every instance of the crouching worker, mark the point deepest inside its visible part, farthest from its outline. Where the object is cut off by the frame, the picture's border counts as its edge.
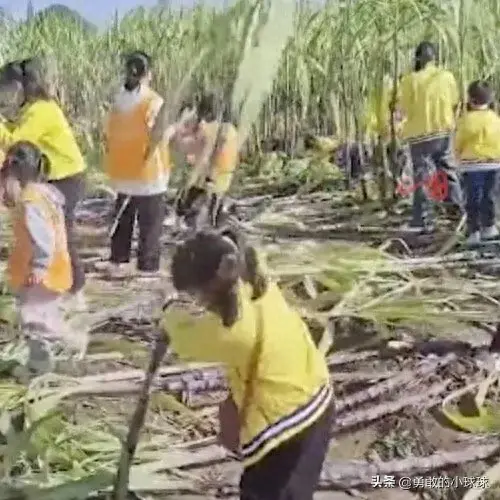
(477, 145)
(139, 179)
(39, 266)
(279, 413)
(211, 148)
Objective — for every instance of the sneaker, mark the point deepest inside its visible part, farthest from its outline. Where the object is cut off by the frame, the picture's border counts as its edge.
(114, 270)
(149, 274)
(490, 233)
(474, 239)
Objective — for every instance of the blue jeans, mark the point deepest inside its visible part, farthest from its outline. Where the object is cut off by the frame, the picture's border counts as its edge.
(480, 188)
(427, 156)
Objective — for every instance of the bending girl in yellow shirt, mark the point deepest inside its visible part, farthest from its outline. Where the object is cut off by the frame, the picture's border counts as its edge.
(37, 118)
(212, 150)
(280, 410)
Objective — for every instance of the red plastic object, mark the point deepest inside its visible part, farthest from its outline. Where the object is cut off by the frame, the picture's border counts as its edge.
(437, 186)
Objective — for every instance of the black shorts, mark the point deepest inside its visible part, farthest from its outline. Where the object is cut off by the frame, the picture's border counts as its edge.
(190, 200)
(190, 203)
(292, 470)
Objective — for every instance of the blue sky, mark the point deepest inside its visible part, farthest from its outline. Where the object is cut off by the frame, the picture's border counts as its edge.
(94, 10)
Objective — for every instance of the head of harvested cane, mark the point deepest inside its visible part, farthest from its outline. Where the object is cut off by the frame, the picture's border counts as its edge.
(211, 265)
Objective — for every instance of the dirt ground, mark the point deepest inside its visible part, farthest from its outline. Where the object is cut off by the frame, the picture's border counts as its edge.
(386, 402)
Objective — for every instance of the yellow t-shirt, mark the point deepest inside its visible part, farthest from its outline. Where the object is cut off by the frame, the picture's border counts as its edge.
(428, 100)
(477, 137)
(291, 388)
(43, 123)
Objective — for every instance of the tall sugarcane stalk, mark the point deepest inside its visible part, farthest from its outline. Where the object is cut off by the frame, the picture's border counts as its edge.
(346, 96)
(129, 447)
(393, 103)
(462, 44)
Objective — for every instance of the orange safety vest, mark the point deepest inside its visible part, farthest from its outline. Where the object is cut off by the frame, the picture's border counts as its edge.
(127, 143)
(226, 159)
(59, 276)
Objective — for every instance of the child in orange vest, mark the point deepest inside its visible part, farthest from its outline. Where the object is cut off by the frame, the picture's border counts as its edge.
(211, 148)
(39, 265)
(139, 179)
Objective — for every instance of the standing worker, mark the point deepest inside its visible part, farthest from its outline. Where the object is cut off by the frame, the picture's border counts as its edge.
(429, 99)
(37, 118)
(140, 180)
(477, 146)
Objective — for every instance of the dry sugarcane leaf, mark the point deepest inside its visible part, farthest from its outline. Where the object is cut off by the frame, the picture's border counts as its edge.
(488, 418)
(310, 287)
(483, 388)
(262, 59)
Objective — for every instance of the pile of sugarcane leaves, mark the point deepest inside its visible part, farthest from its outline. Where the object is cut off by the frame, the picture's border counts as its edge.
(405, 345)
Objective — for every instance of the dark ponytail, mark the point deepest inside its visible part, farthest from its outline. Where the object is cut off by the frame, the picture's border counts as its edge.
(255, 275)
(44, 166)
(137, 66)
(252, 271)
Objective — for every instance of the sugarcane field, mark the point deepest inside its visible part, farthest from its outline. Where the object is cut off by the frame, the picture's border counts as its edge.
(314, 186)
